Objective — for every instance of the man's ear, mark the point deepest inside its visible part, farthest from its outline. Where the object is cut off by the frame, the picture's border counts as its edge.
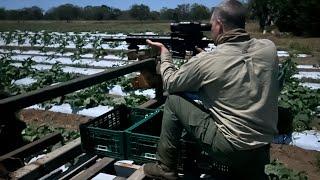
(221, 27)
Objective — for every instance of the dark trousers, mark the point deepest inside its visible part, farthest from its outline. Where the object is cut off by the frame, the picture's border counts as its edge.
(180, 114)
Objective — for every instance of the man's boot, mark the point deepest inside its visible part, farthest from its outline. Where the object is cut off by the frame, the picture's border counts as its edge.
(159, 171)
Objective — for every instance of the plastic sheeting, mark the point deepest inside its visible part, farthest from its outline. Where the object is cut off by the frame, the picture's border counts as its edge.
(309, 140)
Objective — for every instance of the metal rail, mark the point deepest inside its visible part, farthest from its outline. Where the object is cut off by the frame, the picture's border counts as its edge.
(45, 167)
(33, 147)
(25, 100)
(50, 162)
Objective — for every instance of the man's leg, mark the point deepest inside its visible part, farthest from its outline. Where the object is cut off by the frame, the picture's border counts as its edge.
(179, 114)
(250, 164)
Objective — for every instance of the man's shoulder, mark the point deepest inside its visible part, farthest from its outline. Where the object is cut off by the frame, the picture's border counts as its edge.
(263, 42)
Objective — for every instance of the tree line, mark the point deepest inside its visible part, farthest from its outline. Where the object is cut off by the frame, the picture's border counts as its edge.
(296, 16)
(70, 12)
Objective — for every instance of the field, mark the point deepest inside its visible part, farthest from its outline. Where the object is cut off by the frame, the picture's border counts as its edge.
(36, 54)
(89, 26)
(309, 44)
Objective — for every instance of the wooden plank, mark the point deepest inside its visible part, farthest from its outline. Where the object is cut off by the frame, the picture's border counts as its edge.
(33, 147)
(153, 103)
(94, 170)
(50, 162)
(149, 104)
(137, 175)
(27, 99)
(78, 167)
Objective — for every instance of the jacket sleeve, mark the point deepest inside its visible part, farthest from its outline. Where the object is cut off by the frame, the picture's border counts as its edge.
(187, 78)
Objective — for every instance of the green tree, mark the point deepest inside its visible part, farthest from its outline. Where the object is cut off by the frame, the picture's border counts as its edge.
(298, 17)
(13, 15)
(199, 12)
(140, 12)
(183, 12)
(168, 14)
(2, 14)
(100, 13)
(64, 12)
(32, 13)
(260, 9)
(154, 15)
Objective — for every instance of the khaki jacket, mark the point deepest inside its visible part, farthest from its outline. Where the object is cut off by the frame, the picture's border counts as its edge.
(238, 83)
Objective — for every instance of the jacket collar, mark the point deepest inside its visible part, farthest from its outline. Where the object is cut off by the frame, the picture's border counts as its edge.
(235, 35)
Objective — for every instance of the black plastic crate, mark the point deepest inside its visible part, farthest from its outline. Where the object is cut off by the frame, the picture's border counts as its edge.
(105, 134)
(143, 138)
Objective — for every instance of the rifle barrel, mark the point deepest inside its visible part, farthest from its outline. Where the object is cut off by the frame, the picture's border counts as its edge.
(139, 39)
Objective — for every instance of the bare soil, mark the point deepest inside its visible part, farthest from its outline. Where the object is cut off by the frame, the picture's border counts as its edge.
(38, 117)
(293, 157)
(297, 159)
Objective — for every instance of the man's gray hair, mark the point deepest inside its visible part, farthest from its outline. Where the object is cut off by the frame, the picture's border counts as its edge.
(232, 14)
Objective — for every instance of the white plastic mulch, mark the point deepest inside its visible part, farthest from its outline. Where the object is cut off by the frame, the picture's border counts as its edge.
(71, 45)
(311, 85)
(95, 111)
(310, 75)
(25, 81)
(286, 54)
(66, 54)
(308, 67)
(309, 140)
(117, 90)
(151, 93)
(66, 108)
(66, 69)
(70, 61)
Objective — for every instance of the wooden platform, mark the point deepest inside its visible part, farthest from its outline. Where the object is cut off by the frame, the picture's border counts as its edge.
(87, 166)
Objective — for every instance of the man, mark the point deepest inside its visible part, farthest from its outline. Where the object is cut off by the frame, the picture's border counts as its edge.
(237, 85)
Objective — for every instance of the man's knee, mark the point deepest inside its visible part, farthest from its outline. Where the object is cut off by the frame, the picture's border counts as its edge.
(173, 101)
(173, 97)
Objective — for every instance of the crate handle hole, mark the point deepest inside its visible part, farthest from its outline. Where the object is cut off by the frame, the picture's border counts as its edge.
(103, 148)
(150, 156)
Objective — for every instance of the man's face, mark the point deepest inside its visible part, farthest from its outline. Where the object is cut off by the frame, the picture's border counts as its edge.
(216, 28)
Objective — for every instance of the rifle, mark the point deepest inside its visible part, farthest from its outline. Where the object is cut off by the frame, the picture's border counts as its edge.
(183, 39)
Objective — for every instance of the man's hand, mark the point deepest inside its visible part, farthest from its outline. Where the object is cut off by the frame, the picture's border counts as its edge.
(199, 49)
(157, 45)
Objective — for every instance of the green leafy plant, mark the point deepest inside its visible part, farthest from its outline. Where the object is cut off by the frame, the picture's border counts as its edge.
(302, 101)
(34, 132)
(9, 38)
(277, 171)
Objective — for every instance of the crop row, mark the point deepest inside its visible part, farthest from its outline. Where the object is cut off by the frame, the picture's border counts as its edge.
(87, 98)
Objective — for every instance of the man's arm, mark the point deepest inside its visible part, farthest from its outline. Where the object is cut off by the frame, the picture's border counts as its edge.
(187, 78)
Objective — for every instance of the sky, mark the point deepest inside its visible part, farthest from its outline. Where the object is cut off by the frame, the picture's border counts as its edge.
(121, 4)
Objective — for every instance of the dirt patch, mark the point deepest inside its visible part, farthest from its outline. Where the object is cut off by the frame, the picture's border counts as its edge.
(297, 159)
(315, 124)
(68, 121)
(314, 60)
